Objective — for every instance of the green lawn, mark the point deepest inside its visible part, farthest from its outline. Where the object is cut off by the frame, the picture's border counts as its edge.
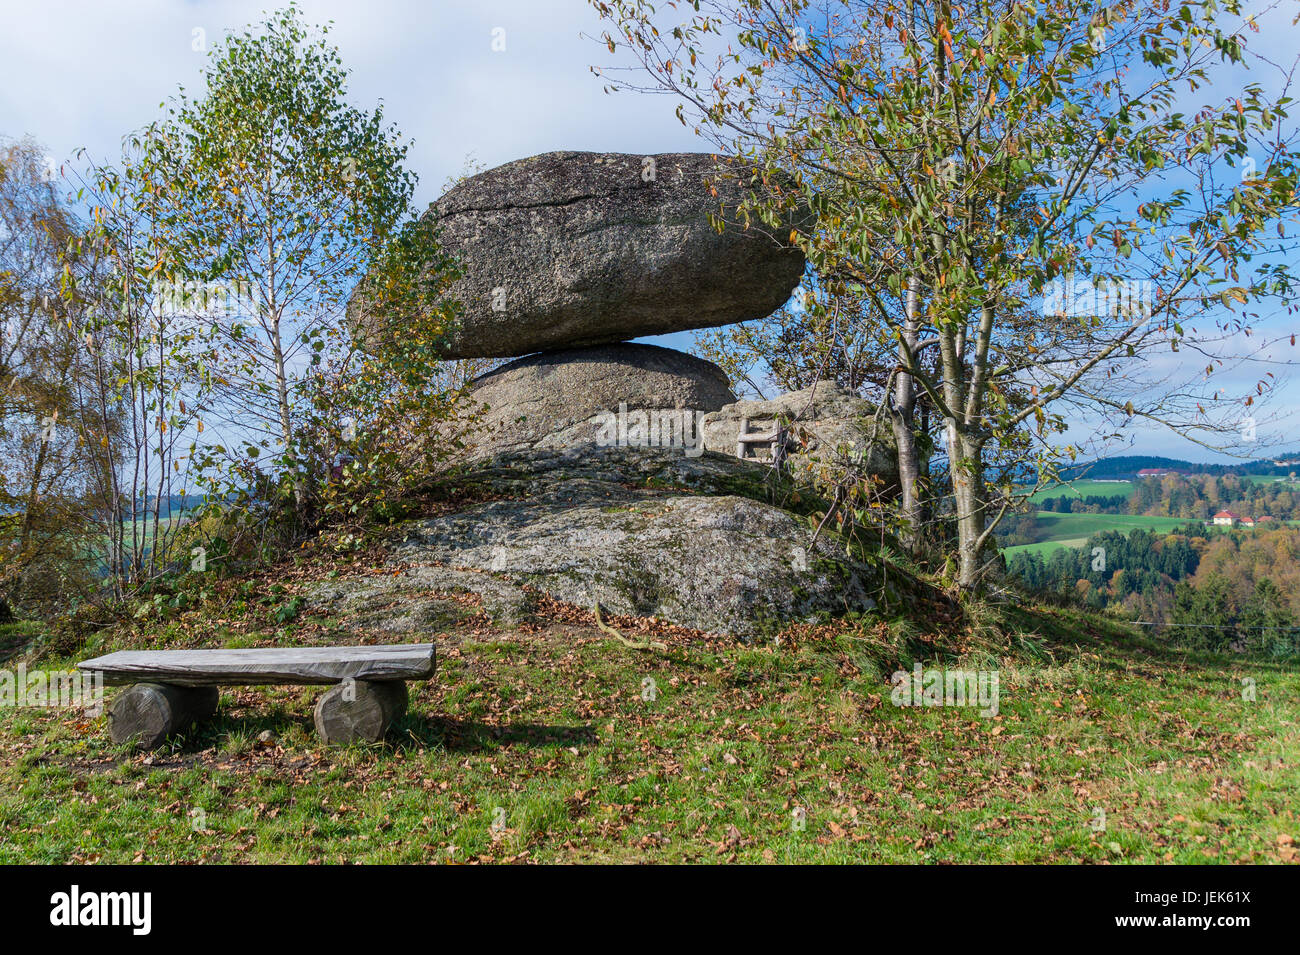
(543, 744)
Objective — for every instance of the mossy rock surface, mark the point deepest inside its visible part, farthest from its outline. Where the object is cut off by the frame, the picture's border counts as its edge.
(644, 532)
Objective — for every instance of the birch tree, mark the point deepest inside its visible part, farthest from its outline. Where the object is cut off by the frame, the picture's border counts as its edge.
(283, 195)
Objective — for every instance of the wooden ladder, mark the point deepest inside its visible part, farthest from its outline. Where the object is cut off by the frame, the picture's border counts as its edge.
(776, 438)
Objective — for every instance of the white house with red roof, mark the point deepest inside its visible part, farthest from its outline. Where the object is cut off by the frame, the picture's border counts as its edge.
(1229, 519)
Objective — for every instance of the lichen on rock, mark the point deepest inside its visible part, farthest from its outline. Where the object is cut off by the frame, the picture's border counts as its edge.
(644, 532)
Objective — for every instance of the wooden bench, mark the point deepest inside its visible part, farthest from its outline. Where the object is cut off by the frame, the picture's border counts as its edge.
(172, 689)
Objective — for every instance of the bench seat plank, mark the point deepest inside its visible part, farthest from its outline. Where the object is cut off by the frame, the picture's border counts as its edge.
(270, 665)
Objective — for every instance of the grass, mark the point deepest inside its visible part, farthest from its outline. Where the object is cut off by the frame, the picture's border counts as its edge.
(1043, 548)
(1073, 530)
(553, 743)
(1056, 526)
(1269, 479)
(1084, 488)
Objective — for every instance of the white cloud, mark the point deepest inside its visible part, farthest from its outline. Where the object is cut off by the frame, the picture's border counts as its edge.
(81, 74)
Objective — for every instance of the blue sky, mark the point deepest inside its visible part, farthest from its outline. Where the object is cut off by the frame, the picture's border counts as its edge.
(84, 74)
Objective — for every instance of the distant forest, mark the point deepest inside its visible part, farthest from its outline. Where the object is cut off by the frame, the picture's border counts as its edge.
(1204, 587)
(1201, 585)
(1196, 497)
(1127, 466)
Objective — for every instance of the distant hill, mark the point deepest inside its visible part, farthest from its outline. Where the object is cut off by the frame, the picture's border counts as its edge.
(1127, 466)
(173, 505)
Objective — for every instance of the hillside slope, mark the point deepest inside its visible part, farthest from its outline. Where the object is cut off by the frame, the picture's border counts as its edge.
(551, 741)
(546, 738)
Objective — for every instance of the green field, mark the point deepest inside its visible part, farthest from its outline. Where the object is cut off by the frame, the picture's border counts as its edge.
(1073, 530)
(1269, 479)
(1085, 488)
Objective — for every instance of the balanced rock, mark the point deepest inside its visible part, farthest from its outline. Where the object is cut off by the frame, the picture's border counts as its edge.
(569, 398)
(568, 249)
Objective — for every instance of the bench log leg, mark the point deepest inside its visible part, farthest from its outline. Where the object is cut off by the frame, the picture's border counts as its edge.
(359, 710)
(150, 712)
